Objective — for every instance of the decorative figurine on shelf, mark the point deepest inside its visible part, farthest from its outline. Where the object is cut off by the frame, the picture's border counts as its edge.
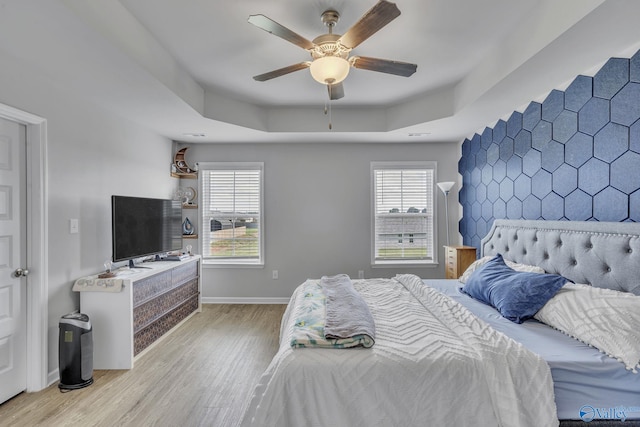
(107, 273)
(187, 227)
(189, 194)
(186, 195)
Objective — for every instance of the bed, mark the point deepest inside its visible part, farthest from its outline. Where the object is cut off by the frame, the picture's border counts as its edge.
(442, 357)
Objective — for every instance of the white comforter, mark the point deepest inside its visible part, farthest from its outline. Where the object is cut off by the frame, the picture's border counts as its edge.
(434, 364)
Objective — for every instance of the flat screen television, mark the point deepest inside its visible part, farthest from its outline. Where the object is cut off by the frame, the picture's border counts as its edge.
(143, 227)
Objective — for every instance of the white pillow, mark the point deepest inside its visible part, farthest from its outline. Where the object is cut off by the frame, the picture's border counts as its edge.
(513, 265)
(603, 318)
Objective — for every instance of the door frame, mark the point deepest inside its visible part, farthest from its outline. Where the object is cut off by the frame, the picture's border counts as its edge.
(37, 245)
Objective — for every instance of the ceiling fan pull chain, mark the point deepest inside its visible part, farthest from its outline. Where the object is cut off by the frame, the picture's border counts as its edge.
(329, 107)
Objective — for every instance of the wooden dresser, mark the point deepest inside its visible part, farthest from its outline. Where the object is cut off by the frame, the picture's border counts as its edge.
(457, 259)
(153, 301)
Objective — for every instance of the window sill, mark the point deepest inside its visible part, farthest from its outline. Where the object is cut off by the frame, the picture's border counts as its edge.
(219, 264)
(404, 264)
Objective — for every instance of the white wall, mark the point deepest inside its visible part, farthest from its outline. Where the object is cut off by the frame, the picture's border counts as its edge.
(317, 212)
(92, 154)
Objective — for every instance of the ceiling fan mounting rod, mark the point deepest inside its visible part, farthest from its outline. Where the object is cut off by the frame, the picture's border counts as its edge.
(330, 18)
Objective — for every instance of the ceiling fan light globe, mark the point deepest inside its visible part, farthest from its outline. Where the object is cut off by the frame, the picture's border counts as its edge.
(330, 69)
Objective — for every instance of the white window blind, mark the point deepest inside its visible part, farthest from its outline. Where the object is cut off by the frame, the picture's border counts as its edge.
(232, 212)
(403, 213)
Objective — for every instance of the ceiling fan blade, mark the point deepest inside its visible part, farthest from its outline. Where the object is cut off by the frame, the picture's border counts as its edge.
(372, 21)
(398, 68)
(336, 91)
(281, 71)
(271, 26)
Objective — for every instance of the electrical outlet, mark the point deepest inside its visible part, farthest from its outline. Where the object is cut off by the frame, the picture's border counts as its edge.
(360, 274)
(274, 274)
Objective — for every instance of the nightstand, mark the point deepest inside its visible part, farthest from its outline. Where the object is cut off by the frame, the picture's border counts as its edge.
(457, 259)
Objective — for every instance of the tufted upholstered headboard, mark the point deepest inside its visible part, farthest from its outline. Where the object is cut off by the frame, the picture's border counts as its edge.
(602, 254)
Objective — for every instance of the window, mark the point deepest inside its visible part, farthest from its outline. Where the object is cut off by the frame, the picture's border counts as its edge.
(232, 213)
(402, 209)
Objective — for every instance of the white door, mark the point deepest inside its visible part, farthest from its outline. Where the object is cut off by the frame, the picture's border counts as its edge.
(13, 313)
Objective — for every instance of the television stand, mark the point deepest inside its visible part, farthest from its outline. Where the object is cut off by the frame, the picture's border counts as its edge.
(152, 303)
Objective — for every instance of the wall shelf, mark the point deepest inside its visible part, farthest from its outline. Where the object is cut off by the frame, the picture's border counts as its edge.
(180, 169)
(184, 175)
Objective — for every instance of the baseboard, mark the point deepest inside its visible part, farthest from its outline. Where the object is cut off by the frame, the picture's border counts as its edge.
(242, 300)
(53, 377)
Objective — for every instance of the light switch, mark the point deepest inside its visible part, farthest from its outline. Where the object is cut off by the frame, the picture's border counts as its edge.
(73, 226)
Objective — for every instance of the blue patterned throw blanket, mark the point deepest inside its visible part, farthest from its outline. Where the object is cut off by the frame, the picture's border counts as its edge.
(332, 314)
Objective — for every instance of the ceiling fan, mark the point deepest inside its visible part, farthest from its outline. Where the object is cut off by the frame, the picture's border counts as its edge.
(330, 62)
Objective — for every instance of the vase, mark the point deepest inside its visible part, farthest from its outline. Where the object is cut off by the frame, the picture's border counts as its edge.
(187, 227)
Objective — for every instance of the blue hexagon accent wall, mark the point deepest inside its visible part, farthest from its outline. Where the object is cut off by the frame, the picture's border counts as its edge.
(575, 156)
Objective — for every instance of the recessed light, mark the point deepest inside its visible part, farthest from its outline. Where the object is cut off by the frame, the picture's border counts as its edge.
(195, 135)
(420, 134)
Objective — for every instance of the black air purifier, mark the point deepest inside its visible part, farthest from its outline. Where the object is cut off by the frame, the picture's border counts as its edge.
(75, 352)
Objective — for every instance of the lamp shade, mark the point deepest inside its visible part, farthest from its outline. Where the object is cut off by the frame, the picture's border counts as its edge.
(330, 69)
(446, 186)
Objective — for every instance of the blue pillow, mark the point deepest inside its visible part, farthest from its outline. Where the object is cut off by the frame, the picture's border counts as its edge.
(516, 295)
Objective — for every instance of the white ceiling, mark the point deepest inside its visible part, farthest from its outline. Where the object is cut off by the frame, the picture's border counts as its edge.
(184, 67)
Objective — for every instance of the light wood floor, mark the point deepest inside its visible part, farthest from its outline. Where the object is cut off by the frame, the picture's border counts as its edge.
(202, 374)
